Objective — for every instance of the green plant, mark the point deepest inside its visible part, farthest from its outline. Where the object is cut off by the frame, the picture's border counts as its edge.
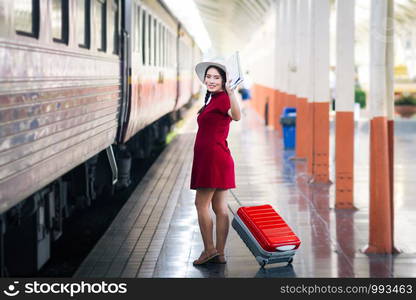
(406, 100)
(360, 97)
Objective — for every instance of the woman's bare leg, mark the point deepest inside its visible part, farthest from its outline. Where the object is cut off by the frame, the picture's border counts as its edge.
(219, 205)
(202, 202)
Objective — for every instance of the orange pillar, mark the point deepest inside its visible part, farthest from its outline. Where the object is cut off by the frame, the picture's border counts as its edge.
(381, 135)
(309, 138)
(283, 103)
(276, 110)
(320, 12)
(265, 102)
(344, 158)
(320, 144)
(390, 128)
(272, 107)
(380, 240)
(390, 108)
(258, 99)
(301, 124)
(277, 97)
(344, 121)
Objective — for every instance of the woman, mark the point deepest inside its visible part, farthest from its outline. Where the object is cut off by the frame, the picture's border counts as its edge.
(213, 165)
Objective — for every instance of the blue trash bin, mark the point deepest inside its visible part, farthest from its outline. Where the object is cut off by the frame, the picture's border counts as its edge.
(288, 122)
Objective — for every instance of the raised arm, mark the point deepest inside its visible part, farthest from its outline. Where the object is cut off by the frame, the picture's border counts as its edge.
(234, 112)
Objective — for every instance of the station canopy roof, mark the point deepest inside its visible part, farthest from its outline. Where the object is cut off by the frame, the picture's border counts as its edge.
(230, 23)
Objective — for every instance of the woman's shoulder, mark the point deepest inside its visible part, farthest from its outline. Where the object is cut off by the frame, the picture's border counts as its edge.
(223, 101)
(223, 95)
(220, 94)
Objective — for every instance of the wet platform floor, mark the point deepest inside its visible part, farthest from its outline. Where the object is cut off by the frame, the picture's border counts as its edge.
(156, 233)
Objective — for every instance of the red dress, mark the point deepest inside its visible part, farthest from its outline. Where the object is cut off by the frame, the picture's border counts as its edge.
(213, 165)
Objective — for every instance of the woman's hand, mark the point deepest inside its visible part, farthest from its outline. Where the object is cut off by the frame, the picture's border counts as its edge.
(228, 87)
(234, 111)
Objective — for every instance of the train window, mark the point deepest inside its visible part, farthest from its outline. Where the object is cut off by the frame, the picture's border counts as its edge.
(144, 27)
(168, 48)
(181, 55)
(163, 47)
(134, 32)
(101, 24)
(160, 45)
(156, 37)
(115, 26)
(155, 42)
(60, 21)
(149, 35)
(26, 17)
(172, 55)
(83, 23)
(137, 29)
(173, 52)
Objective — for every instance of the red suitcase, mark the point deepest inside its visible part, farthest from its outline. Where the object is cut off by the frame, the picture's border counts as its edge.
(266, 234)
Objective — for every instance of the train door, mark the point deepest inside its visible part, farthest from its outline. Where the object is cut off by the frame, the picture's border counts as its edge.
(125, 68)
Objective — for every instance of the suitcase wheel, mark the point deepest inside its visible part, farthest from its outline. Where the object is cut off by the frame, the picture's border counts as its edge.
(262, 261)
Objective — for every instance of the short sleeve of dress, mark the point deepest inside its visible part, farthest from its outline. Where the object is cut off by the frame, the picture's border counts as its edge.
(225, 104)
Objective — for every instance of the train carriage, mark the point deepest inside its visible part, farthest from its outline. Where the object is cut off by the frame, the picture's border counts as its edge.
(81, 82)
(185, 67)
(159, 61)
(196, 58)
(60, 90)
(152, 64)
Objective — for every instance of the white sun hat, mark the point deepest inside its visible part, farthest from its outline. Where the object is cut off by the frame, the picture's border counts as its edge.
(201, 67)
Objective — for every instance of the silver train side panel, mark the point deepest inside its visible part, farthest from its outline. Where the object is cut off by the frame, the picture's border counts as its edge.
(59, 105)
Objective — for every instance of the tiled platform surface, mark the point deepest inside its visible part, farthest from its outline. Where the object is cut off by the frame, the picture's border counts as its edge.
(156, 234)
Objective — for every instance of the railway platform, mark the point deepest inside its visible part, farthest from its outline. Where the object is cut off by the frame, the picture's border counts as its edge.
(156, 233)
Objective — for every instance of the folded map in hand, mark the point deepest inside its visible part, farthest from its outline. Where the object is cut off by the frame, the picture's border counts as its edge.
(234, 70)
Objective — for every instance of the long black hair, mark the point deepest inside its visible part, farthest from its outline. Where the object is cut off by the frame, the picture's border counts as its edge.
(224, 80)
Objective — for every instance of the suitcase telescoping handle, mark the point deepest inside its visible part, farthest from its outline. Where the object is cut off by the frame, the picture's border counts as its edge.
(236, 199)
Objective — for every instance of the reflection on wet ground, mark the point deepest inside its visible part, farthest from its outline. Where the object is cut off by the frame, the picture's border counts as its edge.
(156, 233)
(332, 240)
